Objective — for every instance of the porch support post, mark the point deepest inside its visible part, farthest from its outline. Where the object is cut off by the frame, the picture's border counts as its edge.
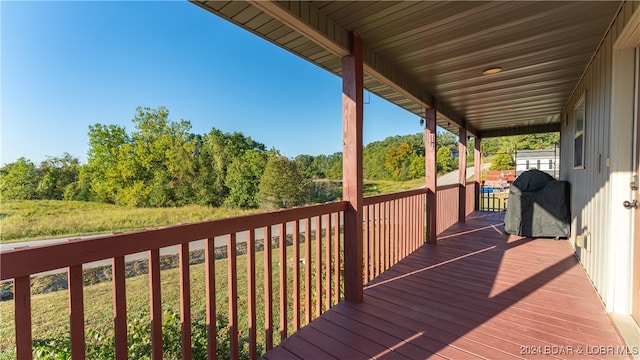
(462, 170)
(352, 119)
(477, 167)
(431, 171)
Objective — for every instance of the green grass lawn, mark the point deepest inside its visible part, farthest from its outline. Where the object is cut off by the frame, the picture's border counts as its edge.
(41, 219)
(22, 220)
(374, 187)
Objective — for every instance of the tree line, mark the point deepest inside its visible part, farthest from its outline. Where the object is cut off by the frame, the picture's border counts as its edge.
(503, 149)
(162, 163)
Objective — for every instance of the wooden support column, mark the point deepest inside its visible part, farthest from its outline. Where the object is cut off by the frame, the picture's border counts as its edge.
(352, 121)
(477, 167)
(431, 171)
(462, 170)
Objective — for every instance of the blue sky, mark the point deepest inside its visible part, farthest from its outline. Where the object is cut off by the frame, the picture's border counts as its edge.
(67, 65)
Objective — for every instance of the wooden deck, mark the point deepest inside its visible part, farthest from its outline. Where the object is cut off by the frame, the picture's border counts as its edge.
(478, 294)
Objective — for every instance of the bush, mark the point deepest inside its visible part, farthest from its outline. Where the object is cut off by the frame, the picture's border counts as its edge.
(101, 346)
(502, 162)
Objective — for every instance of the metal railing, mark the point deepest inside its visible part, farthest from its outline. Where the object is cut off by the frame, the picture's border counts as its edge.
(494, 198)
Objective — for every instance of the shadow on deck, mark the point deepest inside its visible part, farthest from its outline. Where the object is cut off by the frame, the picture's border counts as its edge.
(478, 294)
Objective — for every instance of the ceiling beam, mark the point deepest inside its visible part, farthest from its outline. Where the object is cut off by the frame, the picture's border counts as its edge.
(523, 130)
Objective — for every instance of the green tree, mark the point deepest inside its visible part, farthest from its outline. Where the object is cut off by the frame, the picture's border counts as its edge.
(101, 170)
(19, 180)
(502, 161)
(161, 163)
(397, 161)
(334, 166)
(489, 146)
(57, 174)
(308, 167)
(218, 152)
(444, 160)
(510, 144)
(282, 185)
(448, 140)
(417, 167)
(243, 179)
(158, 157)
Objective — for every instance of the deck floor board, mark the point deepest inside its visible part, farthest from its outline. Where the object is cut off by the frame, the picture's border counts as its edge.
(477, 294)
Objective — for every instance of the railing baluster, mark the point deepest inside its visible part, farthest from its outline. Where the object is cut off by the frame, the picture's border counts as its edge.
(493, 204)
(416, 219)
(296, 275)
(327, 262)
(383, 235)
(251, 293)
(120, 307)
(404, 239)
(210, 294)
(419, 221)
(365, 245)
(400, 231)
(307, 272)
(387, 241)
(396, 210)
(232, 276)
(76, 311)
(391, 229)
(378, 238)
(336, 257)
(318, 272)
(419, 214)
(410, 230)
(155, 302)
(283, 281)
(422, 217)
(185, 300)
(416, 225)
(268, 289)
(405, 228)
(372, 234)
(390, 206)
(22, 304)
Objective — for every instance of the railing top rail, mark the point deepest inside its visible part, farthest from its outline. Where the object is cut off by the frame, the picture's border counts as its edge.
(447, 187)
(369, 200)
(32, 260)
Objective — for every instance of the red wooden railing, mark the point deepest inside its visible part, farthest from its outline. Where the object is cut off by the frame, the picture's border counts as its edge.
(447, 207)
(470, 188)
(393, 226)
(20, 264)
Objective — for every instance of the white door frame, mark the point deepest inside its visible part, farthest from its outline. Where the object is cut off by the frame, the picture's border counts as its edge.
(623, 111)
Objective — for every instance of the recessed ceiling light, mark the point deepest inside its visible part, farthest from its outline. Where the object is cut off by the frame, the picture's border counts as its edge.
(491, 71)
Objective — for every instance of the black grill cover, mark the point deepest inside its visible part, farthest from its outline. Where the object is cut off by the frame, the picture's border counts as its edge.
(538, 206)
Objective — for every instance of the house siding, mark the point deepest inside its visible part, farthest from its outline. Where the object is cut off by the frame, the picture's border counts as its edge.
(591, 186)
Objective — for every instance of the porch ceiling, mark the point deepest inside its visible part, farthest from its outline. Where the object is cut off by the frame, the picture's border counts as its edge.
(419, 50)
